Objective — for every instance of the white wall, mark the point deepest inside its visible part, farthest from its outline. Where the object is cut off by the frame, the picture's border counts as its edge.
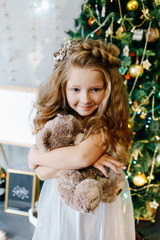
(31, 30)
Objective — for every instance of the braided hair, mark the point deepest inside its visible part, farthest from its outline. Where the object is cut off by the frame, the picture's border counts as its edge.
(111, 118)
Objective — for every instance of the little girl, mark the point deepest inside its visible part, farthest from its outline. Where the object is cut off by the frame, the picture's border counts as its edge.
(87, 84)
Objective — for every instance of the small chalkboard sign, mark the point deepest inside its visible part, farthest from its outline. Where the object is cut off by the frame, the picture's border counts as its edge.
(21, 191)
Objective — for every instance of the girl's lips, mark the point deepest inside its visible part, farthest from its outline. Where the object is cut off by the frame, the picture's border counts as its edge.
(86, 107)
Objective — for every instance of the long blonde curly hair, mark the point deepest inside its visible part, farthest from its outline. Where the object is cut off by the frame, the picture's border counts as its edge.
(111, 118)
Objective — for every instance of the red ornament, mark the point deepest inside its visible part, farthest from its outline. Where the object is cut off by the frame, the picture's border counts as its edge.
(90, 21)
(98, 32)
(127, 76)
(132, 54)
(3, 175)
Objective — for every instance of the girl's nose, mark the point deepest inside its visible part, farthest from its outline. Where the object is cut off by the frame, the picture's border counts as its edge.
(85, 98)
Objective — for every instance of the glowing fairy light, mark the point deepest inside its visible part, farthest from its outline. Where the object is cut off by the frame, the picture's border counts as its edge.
(125, 195)
(45, 5)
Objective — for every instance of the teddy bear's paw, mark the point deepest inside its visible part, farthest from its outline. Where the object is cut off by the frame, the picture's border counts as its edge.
(113, 188)
(66, 195)
(120, 184)
(87, 195)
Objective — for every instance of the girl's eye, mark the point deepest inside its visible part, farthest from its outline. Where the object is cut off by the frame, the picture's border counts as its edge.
(95, 89)
(75, 89)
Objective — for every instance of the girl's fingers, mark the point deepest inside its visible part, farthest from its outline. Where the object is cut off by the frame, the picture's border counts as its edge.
(113, 161)
(108, 161)
(102, 169)
(101, 166)
(117, 164)
(107, 158)
(112, 166)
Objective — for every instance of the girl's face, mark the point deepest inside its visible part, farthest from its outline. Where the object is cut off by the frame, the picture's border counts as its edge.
(85, 90)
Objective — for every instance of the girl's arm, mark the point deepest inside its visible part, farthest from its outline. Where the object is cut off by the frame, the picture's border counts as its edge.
(45, 173)
(105, 160)
(72, 157)
(89, 157)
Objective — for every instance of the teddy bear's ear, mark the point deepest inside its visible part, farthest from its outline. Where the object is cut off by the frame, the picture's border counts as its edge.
(43, 140)
(47, 143)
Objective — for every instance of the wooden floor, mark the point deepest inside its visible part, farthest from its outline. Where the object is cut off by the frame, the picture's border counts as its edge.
(19, 228)
(16, 227)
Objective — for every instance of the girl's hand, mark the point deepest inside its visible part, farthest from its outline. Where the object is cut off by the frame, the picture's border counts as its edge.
(107, 161)
(31, 156)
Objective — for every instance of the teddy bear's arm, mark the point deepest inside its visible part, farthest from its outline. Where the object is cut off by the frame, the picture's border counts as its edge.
(86, 154)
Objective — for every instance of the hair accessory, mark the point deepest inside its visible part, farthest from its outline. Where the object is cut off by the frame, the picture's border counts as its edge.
(62, 53)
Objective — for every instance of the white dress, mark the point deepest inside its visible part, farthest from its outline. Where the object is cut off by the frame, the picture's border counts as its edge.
(57, 221)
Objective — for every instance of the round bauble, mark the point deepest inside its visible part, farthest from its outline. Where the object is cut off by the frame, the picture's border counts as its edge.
(135, 103)
(142, 116)
(130, 125)
(90, 21)
(135, 70)
(132, 5)
(127, 76)
(153, 34)
(139, 179)
(99, 32)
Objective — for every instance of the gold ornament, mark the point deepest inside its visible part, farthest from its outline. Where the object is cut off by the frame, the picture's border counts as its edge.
(139, 179)
(135, 103)
(151, 212)
(142, 116)
(145, 13)
(146, 102)
(130, 125)
(153, 34)
(157, 2)
(135, 70)
(132, 5)
(119, 32)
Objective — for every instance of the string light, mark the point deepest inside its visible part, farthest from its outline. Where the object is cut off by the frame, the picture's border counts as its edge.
(153, 102)
(152, 167)
(44, 6)
(121, 20)
(144, 52)
(138, 109)
(135, 154)
(143, 188)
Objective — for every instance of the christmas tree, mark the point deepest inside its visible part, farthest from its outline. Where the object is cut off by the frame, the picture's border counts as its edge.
(134, 27)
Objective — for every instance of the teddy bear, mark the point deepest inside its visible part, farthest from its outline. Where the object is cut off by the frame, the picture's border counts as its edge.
(82, 189)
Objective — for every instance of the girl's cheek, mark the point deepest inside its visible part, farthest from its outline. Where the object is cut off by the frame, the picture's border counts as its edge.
(100, 99)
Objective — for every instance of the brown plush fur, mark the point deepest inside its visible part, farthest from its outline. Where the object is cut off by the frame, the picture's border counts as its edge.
(59, 132)
(81, 189)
